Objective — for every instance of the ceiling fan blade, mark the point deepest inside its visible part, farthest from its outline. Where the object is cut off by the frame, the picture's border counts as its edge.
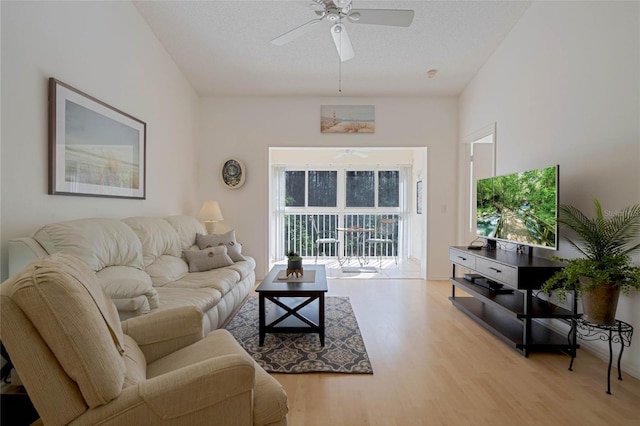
(295, 33)
(342, 42)
(396, 18)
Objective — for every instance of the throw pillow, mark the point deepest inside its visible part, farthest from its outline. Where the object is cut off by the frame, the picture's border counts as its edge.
(228, 239)
(207, 259)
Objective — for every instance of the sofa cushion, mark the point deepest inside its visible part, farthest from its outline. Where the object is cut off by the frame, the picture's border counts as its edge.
(207, 259)
(204, 298)
(269, 397)
(187, 227)
(157, 236)
(244, 268)
(167, 269)
(227, 239)
(62, 298)
(126, 283)
(222, 279)
(98, 242)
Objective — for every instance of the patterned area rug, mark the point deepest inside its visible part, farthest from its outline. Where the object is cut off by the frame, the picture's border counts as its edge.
(344, 350)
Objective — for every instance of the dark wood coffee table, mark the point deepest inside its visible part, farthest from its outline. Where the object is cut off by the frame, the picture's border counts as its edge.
(298, 307)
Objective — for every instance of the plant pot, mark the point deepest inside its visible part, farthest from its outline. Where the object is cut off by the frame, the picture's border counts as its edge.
(294, 264)
(600, 304)
(294, 267)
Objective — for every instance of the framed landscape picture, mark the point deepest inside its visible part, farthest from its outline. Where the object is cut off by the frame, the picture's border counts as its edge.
(94, 149)
(347, 119)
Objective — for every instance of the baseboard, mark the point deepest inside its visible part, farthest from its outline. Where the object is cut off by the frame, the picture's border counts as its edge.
(446, 278)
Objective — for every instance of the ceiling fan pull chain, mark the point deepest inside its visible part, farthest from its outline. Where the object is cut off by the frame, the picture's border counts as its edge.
(339, 76)
(340, 60)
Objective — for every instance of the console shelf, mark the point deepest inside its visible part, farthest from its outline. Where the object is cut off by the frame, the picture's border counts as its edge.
(510, 316)
(509, 330)
(513, 304)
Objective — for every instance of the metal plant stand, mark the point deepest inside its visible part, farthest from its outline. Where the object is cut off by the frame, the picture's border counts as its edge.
(620, 332)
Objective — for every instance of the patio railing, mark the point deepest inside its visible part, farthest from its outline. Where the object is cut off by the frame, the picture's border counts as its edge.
(300, 235)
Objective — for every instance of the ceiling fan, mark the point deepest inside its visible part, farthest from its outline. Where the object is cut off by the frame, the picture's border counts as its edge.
(334, 11)
(348, 151)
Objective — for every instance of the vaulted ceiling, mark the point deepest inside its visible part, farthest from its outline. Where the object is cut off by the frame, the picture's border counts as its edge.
(223, 47)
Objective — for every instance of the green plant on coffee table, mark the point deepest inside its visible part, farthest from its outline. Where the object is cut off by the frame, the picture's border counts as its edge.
(292, 255)
(606, 243)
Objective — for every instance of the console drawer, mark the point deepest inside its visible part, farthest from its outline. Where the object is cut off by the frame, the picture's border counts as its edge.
(461, 258)
(497, 271)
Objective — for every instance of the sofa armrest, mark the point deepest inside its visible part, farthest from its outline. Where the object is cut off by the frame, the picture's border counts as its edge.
(23, 251)
(200, 385)
(163, 332)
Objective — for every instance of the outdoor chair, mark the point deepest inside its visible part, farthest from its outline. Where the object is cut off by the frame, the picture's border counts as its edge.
(383, 235)
(323, 238)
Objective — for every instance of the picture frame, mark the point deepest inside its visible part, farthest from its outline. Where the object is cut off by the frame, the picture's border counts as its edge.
(347, 119)
(419, 197)
(95, 150)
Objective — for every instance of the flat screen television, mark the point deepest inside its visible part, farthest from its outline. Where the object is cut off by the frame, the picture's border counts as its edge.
(521, 208)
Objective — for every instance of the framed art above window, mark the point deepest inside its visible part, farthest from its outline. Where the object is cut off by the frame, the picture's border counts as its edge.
(94, 149)
(347, 119)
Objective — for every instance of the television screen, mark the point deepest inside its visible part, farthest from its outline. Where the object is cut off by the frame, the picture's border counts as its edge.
(519, 207)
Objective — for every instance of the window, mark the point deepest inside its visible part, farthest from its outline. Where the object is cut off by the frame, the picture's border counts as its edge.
(360, 189)
(388, 188)
(294, 187)
(323, 188)
(320, 186)
(363, 188)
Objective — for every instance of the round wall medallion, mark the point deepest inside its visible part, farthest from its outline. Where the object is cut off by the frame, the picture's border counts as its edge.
(232, 173)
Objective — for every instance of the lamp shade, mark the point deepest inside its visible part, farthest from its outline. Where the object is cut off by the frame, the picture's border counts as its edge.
(210, 212)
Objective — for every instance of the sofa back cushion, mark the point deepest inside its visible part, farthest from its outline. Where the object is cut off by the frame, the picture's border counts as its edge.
(167, 269)
(61, 297)
(187, 227)
(99, 242)
(157, 236)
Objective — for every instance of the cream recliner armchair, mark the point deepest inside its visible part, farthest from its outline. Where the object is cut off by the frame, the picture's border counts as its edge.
(82, 366)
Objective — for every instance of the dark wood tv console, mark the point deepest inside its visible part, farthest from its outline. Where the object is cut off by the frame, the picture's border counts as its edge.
(510, 316)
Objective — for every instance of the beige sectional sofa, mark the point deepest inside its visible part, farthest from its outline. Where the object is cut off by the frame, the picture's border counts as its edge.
(139, 262)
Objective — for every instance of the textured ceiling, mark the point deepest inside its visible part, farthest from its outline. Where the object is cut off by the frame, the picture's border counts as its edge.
(223, 47)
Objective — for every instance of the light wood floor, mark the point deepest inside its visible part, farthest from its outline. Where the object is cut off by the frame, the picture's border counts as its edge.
(435, 366)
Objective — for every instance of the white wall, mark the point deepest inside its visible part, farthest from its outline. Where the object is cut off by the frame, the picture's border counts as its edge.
(246, 127)
(564, 88)
(106, 50)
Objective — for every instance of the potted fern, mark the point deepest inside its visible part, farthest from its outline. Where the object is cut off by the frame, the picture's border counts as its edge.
(606, 242)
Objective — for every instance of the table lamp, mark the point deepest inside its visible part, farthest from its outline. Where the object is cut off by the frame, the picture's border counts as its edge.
(210, 213)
